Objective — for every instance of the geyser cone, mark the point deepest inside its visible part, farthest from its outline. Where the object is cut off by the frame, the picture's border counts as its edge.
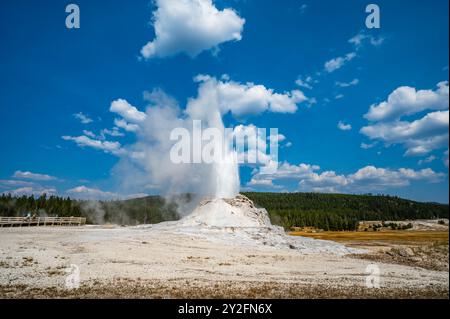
(238, 212)
(238, 221)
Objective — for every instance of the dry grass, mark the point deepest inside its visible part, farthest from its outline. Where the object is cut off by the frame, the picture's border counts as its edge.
(390, 236)
(424, 249)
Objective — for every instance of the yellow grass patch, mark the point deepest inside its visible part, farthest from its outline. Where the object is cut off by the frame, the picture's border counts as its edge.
(387, 235)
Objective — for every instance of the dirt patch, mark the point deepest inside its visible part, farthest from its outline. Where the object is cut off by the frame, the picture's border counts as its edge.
(125, 288)
(433, 256)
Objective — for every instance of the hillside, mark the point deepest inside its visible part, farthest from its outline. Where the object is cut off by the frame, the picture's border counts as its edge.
(341, 211)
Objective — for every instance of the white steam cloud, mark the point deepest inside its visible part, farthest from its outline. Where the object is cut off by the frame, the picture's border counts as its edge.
(149, 166)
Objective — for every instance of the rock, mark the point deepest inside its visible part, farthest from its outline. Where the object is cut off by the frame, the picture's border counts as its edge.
(406, 252)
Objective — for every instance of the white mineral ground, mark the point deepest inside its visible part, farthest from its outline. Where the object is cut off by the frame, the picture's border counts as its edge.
(225, 248)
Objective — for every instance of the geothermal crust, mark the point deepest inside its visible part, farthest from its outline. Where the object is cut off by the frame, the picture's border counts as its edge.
(238, 221)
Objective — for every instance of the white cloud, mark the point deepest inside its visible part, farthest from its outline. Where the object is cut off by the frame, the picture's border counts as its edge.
(191, 26)
(287, 171)
(106, 146)
(115, 132)
(347, 84)
(336, 63)
(14, 183)
(82, 118)
(378, 178)
(261, 182)
(344, 127)
(306, 82)
(276, 138)
(127, 111)
(368, 178)
(33, 176)
(420, 136)
(407, 100)
(429, 159)
(243, 99)
(89, 133)
(362, 37)
(126, 126)
(339, 96)
(366, 146)
(83, 192)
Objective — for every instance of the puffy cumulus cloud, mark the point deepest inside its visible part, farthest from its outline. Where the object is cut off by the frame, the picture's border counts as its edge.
(399, 131)
(127, 111)
(407, 100)
(419, 136)
(287, 171)
(243, 99)
(344, 127)
(105, 146)
(369, 178)
(191, 26)
(82, 118)
(33, 176)
(373, 178)
(337, 63)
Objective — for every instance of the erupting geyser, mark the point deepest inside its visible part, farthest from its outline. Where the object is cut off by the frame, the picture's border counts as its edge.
(237, 221)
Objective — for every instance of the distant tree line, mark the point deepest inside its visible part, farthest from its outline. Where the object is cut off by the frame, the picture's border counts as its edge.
(324, 211)
(41, 206)
(341, 211)
(151, 209)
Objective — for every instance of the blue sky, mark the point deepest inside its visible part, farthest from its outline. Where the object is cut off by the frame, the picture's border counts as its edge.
(333, 142)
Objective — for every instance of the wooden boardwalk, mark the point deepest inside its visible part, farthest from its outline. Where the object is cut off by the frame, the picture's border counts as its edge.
(41, 221)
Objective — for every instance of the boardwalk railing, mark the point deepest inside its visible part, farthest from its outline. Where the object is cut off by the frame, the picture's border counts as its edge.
(41, 221)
